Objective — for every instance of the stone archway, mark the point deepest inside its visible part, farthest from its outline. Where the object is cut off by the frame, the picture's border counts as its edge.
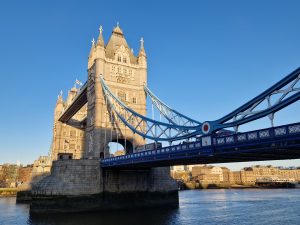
(128, 146)
(120, 145)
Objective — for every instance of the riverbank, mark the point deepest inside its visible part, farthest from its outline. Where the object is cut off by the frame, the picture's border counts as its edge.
(8, 192)
(195, 185)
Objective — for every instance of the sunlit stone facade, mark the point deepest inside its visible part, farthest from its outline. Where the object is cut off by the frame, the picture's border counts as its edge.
(125, 74)
(67, 139)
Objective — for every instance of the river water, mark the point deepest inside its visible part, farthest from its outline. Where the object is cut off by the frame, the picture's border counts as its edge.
(233, 206)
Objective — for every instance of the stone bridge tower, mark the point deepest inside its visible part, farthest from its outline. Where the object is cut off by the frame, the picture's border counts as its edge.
(80, 183)
(126, 75)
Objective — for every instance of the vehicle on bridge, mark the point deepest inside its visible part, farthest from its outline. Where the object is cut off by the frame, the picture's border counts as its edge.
(150, 146)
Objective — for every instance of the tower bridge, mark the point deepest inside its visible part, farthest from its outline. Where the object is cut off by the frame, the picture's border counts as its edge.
(112, 103)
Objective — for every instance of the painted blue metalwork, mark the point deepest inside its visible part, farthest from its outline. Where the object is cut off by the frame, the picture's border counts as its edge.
(144, 126)
(182, 127)
(246, 113)
(281, 138)
(170, 114)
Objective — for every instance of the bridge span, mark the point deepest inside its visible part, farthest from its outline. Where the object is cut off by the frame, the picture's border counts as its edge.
(276, 143)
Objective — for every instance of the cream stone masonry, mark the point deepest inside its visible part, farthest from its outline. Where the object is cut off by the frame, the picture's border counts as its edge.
(67, 139)
(126, 75)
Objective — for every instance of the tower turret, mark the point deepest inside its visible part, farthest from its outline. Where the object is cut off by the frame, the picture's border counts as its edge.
(71, 95)
(91, 55)
(142, 57)
(59, 106)
(100, 41)
(100, 49)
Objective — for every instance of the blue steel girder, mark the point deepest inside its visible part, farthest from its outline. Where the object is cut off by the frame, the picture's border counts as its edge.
(144, 126)
(170, 114)
(286, 91)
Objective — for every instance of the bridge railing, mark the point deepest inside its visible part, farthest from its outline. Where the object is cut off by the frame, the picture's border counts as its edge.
(251, 136)
(204, 148)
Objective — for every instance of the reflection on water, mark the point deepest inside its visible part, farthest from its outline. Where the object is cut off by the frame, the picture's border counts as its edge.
(136, 217)
(249, 206)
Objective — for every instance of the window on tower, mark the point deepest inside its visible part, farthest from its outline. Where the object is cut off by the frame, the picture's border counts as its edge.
(124, 60)
(122, 96)
(73, 133)
(134, 100)
(119, 58)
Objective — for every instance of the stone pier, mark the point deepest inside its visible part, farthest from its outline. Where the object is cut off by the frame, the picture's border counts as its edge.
(81, 185)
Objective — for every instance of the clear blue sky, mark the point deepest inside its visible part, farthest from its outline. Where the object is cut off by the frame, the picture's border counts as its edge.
(205, 58)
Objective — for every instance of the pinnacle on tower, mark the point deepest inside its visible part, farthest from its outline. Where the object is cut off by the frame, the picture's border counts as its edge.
(100, 41)
(117, 30)
(60, 97)
(142, 50)
(92, 48)
(59, 104)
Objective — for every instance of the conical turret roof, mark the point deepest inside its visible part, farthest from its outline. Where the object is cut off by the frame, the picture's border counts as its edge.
(142, 49)
(118, 30)
(92, 48)
(116, 40)
(100, 41)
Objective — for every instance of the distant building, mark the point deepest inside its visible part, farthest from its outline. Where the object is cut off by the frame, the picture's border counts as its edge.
(235, 178)
(250, 175)
(226, 174)
(208, 174)
(41, 166)
(179, 168)
(119, 152)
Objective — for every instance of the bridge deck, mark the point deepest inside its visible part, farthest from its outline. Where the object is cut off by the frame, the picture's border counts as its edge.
(276, 143)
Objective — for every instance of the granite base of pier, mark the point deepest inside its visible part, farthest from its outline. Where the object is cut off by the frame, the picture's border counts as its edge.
(103, 202)
(81, 186)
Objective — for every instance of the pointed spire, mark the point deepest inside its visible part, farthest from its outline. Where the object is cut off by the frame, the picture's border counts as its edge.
(142, 42)
(59, 106)
(117, 29)
(92, 48)
(142, 50)
(60, 97)
(100, 41)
